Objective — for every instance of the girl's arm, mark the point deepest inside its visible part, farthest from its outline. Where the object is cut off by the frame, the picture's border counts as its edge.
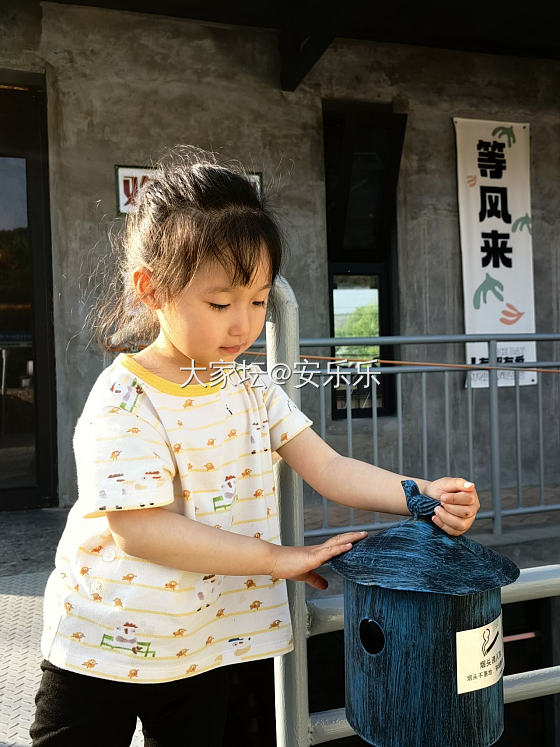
(173, 540)
(362, 485)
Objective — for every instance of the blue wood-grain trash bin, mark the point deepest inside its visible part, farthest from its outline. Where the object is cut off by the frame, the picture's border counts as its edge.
(423, 634)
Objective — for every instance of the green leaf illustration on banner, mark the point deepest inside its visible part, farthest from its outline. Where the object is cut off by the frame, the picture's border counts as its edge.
(488, 285)
(523, 222)
(505, 131)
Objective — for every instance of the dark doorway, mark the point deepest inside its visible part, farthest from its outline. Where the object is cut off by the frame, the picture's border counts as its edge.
(28, 463)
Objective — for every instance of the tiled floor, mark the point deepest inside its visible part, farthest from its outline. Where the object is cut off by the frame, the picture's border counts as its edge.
(21, 599)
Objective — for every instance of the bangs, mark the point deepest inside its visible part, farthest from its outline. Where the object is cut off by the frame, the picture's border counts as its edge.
(241, 241)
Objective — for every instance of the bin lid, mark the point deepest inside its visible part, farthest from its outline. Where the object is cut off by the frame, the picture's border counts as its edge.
(416, 555)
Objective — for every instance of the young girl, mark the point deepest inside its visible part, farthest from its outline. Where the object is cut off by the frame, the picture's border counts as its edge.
(170, 567)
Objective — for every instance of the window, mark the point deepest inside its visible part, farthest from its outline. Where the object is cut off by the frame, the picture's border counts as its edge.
(363, 145)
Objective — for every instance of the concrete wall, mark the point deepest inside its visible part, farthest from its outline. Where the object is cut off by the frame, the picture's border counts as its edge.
(122, 86)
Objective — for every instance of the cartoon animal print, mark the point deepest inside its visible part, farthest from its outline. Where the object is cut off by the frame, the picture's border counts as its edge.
(258, 493)
(78, 636)
(90, 663)
(237, 647)
(246, 472)
(207, 590)
(125, 637)
(209, 467)
(182, 652)
(96, 597)
(177, 448)
(211, 442)
(172, 585)
(192, 669)
(255, 436)
(117, 602)
(250, 584)
(126, 634)
(84, 570)
(210, 640)
(180, 632)
(97, 549)
(132, 673)
(188, 403)
(126, 402)
(68, 606)
(275, 624)
(220, 612)
(153, 474)
(255, 605)
(232, 433)
(129, 577)
(283, 438)
(228, 494)
(115, 455)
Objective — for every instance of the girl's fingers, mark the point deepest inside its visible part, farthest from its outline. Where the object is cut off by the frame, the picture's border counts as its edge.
(453, 525)
(344, 538)
(449, 530)
(332, 550)
(463, 512)
(317, 581)
(463, 499)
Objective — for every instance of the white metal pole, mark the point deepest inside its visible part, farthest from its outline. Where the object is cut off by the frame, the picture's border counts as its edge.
(290, 670)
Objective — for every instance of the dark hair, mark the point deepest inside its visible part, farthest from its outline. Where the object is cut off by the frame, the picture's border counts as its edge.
(192, 210)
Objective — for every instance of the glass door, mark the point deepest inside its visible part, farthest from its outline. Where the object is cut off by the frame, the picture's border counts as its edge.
(27, 398)
(18, 466)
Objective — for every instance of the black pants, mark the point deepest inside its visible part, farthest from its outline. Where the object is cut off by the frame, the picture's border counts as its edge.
(75, 709)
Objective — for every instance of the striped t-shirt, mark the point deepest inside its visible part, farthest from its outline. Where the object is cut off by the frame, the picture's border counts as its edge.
(203, 451)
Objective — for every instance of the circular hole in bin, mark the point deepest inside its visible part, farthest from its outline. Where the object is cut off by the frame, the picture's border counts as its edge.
(371, 636)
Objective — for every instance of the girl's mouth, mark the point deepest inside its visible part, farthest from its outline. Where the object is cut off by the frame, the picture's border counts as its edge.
(232, 351)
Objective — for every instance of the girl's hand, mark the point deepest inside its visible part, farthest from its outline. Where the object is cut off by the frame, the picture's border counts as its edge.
(299, 563)
(459, 501)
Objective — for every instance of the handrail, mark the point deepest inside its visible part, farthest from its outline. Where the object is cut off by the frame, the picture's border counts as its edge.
(313, 342)
(295, 727)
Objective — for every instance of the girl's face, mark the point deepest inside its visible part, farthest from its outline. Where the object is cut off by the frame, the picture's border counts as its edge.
(212, 320)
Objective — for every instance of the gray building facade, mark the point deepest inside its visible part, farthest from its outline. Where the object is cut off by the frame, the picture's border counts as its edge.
(121, 87)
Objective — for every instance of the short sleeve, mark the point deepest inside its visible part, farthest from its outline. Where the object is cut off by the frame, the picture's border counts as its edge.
(123, 462)
(285, 419)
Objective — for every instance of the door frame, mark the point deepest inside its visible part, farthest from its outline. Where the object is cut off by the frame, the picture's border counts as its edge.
(34, 147)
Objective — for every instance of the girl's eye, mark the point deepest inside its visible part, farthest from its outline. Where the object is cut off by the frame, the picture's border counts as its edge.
(259, 303)
(218, 306)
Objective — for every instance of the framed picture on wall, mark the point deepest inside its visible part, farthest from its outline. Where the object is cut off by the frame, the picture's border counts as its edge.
(129, 180)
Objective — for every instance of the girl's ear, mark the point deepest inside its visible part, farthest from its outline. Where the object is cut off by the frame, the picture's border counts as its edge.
(141, 278)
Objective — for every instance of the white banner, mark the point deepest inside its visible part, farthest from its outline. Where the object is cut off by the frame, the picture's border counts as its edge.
(497, 253)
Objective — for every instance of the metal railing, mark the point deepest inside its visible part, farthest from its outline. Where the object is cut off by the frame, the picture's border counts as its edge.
(295, 726)
(456, 418)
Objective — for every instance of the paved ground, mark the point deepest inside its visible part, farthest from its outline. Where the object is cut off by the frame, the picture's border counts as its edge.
(28, 542)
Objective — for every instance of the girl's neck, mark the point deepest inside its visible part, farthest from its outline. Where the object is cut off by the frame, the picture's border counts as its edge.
(159, 360)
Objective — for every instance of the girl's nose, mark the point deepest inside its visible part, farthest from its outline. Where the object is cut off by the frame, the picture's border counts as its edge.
(239, 325)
